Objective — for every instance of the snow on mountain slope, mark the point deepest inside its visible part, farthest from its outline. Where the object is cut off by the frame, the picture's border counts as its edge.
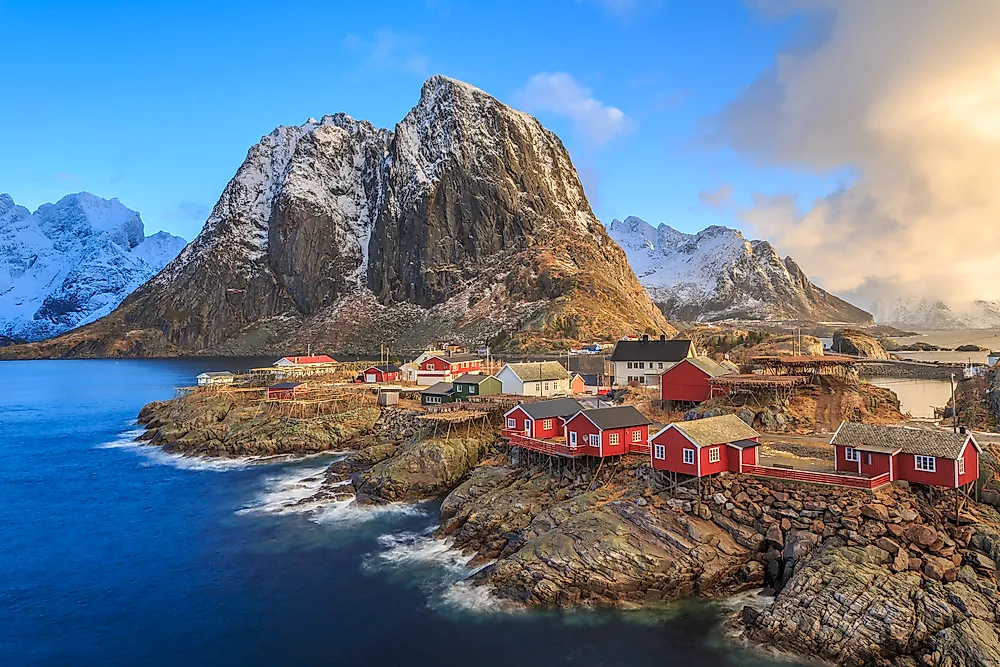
(912, 312)
(72, 262)
(718, 274)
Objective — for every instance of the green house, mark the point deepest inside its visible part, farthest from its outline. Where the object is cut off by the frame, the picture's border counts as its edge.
(442, 392)
(476, 385)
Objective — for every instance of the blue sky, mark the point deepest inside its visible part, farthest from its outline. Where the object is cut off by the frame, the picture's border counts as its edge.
(156, 103)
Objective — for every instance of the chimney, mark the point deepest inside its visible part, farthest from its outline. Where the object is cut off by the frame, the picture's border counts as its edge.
(645, 338)
(663, 338)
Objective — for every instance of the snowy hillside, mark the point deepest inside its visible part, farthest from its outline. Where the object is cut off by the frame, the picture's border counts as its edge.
(72, 262)
(917, 313)
(718, 274)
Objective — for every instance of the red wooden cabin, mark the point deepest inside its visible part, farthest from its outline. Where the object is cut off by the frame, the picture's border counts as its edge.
(543, 420)
(383, 373)
(608, 431)
(442, 368)
(287, 390)
(690, 380)
(703, 447)
(918, 456)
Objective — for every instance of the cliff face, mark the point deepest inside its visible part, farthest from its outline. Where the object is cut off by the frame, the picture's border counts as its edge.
(467, 221)
(718, 274)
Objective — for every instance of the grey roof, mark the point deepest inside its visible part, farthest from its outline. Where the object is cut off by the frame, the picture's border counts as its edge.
(617, 417)
(286, 385)
(538, 371)
(710, 431)
(215, 374)
(651, 350)
(878, 449)
(589, 380)
(709, 366)
(725, 363)
(439, 389)
(921, 441)
(456, 358)
(557, 407)
(743, 444)
(471, 378)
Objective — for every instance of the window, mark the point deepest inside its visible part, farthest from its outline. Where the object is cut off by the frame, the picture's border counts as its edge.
(595, 440)
(961, 466)
(458, 388)
(545, 386)
(926, 463)
(612, 439)
(661, 364)
(642, 379)
(713, 455)
(546, 424)
(511, 422)
(869, 459)
(572, 438)
(641, 364)
(660, 452)
(851, 454)
(689, 456)
(472, 389)
(630, 365)
(637, 436)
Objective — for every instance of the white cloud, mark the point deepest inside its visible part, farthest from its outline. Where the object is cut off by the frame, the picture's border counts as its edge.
(560, 94)
(391, 50)
(907, 94)
(721, 197)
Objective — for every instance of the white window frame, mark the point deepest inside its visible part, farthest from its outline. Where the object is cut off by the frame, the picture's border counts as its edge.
(852, 455)
(629, 365)
(923, 463)
(636, 435)
(688, 456)
(546, 424)
(714, 455)
(595, 440)
(511, 422)
(458, 388)
(612, 439)
(961, 466)
(659, 452)
(572, 438)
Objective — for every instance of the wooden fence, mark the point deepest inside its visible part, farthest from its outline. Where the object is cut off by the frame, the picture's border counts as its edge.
(829, 479)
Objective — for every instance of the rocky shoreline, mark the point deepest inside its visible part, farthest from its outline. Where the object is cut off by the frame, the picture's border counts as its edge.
(884, 578)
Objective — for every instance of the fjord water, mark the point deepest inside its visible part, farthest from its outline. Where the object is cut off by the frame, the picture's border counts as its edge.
(116, 554)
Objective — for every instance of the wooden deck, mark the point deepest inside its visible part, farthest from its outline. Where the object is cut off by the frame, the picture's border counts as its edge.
(550, 447)
(828, 479)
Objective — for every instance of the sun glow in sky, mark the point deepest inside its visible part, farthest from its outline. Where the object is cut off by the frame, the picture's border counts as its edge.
(826, 127)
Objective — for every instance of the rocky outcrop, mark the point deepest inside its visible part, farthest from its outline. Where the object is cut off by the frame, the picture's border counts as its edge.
(468, 222)
(717, 274)
(859, 344)
(226, 426)
(422, 468)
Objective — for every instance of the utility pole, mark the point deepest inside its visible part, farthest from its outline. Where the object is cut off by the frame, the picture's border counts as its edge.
(954, 406)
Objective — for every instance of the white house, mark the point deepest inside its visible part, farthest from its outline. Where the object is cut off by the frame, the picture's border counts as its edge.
(215, 379)
(992, 358)
(545, 378)
(643, 361)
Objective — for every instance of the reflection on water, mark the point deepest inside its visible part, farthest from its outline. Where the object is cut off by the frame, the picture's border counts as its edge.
(918, 397)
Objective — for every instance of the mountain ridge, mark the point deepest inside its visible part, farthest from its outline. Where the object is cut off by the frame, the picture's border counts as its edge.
(718, 274)
(71, 262)
(467, 221)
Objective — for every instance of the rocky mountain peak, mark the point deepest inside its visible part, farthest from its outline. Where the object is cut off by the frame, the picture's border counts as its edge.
(467, 221)
(718, 274)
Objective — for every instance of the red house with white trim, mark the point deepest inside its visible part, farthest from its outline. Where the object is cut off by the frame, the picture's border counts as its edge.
(608, 431)
(446, 367)
(918, 456)
(284, 391)
(382, 373)
(690, 380)
(703, 447)
(543, 420)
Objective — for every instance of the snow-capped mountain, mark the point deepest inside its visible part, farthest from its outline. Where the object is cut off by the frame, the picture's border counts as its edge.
(467, 221)
(718, 274)
(71, 262)
(913, 312)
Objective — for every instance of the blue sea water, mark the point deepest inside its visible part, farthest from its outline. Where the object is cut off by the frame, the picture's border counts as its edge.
(113, 553)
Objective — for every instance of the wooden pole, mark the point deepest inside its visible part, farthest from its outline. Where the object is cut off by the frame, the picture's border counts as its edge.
(954, 409)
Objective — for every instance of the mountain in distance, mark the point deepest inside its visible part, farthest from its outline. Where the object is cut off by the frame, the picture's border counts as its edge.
(718, 274)
(72, 262)
(912, 312)
(466, 222)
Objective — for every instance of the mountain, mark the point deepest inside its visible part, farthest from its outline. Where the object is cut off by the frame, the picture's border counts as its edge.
(718, 274)
(71, 262)
(467, 221)
(914, 312)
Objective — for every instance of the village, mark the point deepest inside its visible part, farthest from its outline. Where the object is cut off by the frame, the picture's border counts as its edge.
(649, 404)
